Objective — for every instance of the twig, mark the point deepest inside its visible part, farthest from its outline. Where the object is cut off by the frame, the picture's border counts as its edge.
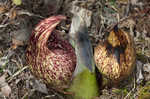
(57, 94)
(28, 13)
(17, 73)
(27, 93)
(5, 59)
(4, 25)
(49, 96)
(131, 90)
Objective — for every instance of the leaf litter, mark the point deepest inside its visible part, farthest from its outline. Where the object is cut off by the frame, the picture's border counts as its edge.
(17, 22)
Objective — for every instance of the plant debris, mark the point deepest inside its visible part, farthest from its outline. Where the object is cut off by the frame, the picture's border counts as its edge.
(18, 20)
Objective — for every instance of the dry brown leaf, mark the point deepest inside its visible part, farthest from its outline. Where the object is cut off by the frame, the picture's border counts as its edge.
(2, 9)
(139, 74)
(21, 36)
(5, 88)
(13, 14)
(52, 6)
(83, 13)
(16, 43)
(146, 67)
(38, 86)
(134, 2)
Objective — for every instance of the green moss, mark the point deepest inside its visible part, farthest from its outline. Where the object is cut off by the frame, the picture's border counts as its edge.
(144, 92)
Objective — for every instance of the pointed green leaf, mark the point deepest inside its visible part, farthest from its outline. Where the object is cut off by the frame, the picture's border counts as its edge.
(84, 86)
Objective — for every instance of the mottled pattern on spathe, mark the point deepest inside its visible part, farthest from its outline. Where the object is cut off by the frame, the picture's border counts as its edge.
(43, 64)
(51, 58)
(108, 62)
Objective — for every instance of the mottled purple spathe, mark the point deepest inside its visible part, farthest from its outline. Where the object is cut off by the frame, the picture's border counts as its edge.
(49, 56)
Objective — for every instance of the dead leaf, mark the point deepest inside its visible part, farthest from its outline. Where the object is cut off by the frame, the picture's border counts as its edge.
(38, 86)
(146, 67)
(13, 14)
(139, 75)
(2, 9)
(52, 6)
(16, 43)
(21, 36)
(134, 2)
(5, 88)
(84, 13)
